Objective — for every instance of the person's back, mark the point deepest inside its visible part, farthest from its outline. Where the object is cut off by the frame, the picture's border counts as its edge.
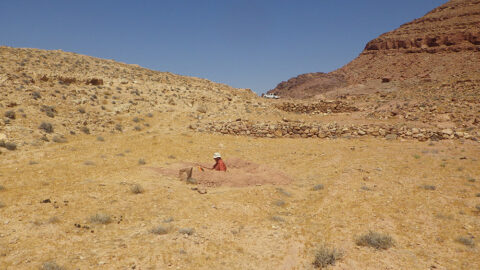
(219, 165)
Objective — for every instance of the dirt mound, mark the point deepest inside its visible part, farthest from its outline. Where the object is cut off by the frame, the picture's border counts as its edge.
(240, 173)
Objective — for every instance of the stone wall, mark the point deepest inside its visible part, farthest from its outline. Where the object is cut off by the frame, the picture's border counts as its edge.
(289, 129)
(316, 108)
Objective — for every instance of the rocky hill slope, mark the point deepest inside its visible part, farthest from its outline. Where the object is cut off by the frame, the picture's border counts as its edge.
(46, 95)
(441, 46)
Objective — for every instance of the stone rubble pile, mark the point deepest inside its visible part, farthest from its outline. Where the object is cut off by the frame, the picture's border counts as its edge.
(291, 129)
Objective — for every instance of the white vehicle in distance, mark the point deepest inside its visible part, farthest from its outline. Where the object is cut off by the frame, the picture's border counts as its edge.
(271, 96)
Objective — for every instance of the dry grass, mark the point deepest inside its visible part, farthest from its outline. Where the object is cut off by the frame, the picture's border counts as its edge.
(137, 189)
(100, 218)
(375, 240)
(466, 240)
(326, 256)
(51, 266)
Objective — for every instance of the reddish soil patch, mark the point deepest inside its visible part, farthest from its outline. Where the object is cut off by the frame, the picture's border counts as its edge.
(240, 173)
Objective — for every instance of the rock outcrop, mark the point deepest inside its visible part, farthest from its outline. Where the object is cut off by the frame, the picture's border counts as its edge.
(445, 43)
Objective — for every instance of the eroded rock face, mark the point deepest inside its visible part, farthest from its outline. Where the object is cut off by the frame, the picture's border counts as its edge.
(445, 43)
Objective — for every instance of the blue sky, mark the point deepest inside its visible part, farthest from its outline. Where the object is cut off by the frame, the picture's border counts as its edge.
(243, 43)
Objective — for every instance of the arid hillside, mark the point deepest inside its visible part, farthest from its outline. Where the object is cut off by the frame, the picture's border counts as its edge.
(443, 46)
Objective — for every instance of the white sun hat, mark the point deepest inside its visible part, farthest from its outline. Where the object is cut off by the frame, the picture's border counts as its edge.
(217, 155)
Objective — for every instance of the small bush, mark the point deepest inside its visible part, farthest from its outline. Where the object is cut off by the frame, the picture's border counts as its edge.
(477, 195)
(81, 110)
(49, 110)
(278, 219)
(47, 127)
(2, 205)
(326, 256)
(467, 241)
(318, 187)
(59, 139)
(137, 189)
(100, 139)
(149, 115)
(2, 188)
(416, 156)
(85, 130)
(118, 127)
(160, 230)
(137, 128)
(142, 161)
(101, 218)
(10, 114)
(136, 119)
(280, 203)
(284, 192)
(478, 207)
(375, 240)
(10, 146)
(429, 187)
(36, 95)
(188, 231)
(51, 266)
(472, 180)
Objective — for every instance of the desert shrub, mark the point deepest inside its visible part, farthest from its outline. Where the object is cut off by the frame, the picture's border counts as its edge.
(36, 95)
(137, 128)
(118, 127)
(188, 231)
(47, 127)
(284, 192)
(2, 188)
(101, 218)
(278, 219)
(465, 240)
(49, 110)
(471, 179)
(53, 220)
(160, 230)
(85, 130)
(81, 110)
(136, 119)
(10, 146)
(318, 187)
(10, 114)
(100, 139)
(280, 203)
(478, 207)
(2, 205)
(477, 195)
(416, 156)
(59, 139)
(89, 163)
(137, 189)
(149, 115)
(429, 187)
(326, 256)
(142, 161)
(375, 240)
(51, 266)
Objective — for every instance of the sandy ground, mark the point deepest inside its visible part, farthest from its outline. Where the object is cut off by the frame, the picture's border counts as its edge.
(369, 184)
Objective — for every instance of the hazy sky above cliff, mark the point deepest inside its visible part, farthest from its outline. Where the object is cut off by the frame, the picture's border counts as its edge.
(243, 43)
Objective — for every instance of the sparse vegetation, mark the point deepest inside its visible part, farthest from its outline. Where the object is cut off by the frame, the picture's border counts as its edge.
(375, 240)
(85, 130)
(284, 192)
(2, 205)
(59, 139)
(429, 187)
(51, 266)
(118, 127)
(477, 207)
(465, 240)
(326, 256)
(188, 231)
(280, 203)
(471, 179)
(81, 110)
(278, 219)
(160, 230)
(2, 188)
(477, 195)
(47, 127)
(142, 161)
(137, 189)
(136, 119)
(101, 218)
(318, 187)
(100, 139)
(49, 110)
(10, 114)
(416, 156)
(53, 220)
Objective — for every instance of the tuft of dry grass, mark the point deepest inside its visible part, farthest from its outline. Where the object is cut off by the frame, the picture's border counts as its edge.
(160, 230)
(187, 231)
(137, 189)
(51, 266)
(47, 127)
(100, 218)
(326, 256)
(375, 240)
(465, 240)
